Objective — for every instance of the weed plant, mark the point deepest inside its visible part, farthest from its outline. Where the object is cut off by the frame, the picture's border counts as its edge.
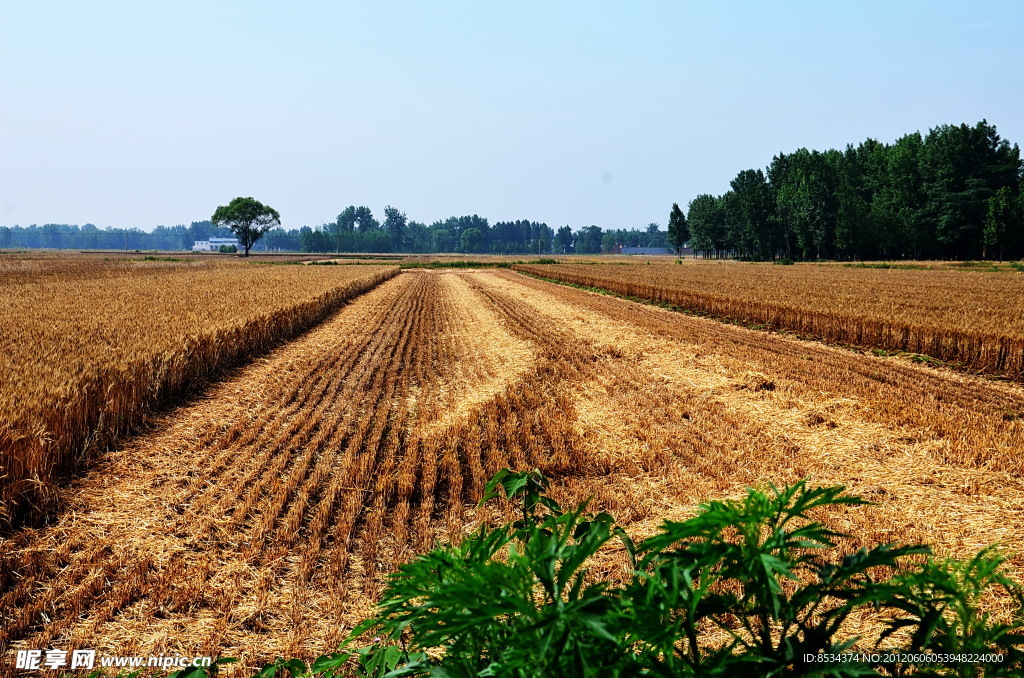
(749, 587)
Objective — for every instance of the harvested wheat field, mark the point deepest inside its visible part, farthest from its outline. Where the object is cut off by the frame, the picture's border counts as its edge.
(261, 519)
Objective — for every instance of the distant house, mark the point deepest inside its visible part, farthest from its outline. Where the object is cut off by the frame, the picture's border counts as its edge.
(214, 244)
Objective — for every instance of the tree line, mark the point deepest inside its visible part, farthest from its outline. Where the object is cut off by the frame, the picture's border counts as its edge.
(91, 237)
(954, 193)
(355, 230)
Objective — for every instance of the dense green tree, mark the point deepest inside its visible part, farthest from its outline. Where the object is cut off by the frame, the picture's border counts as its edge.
(170, 238)
(280, 240)
(314, 240)
(446, 235)
(963, 167)
(248, 219)
(519, 237)
(608, 242)
(471, 240)
(898, 202)
(563, 240)
(53, 237)
(343, 227)
(394, 225)
(819, 189)
(346, 219)
(376, 240)
(417, 237)
(588, 240)
(542, 237)
(90, 236)
(364, 218)
(707, 224)
(781, 175)
(442, 238)
(1004, 223)
(752, 222)
(678, 229)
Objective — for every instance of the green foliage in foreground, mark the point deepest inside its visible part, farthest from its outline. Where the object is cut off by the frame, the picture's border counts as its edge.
(760, 574)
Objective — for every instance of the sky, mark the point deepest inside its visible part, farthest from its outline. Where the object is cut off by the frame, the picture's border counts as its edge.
(138, 114)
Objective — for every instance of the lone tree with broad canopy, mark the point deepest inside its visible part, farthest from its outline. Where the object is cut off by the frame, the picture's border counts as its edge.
(249, 219)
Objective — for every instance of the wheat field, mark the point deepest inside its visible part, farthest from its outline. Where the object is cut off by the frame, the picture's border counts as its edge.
(972, 319)
(261, 519)
(89, 346)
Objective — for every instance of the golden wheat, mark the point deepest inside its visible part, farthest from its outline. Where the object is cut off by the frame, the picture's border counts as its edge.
(975, 319)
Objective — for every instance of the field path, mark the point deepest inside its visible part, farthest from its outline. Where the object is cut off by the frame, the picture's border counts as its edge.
(260, 520)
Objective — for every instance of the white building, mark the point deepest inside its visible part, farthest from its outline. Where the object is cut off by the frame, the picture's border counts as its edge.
(214, 244)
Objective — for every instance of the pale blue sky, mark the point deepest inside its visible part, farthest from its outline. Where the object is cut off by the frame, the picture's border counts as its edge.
(133, 114)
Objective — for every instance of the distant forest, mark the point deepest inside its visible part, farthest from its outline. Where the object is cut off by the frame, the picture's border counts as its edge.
(355, 230)
(954, 193)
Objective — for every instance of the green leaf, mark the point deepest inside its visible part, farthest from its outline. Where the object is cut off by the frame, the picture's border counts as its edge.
(190, 672)
(296, 667)
(330, 664)
(362, 627)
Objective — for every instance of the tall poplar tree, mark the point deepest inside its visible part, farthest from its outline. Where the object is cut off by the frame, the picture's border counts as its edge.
(678, 229)
(394, 224)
